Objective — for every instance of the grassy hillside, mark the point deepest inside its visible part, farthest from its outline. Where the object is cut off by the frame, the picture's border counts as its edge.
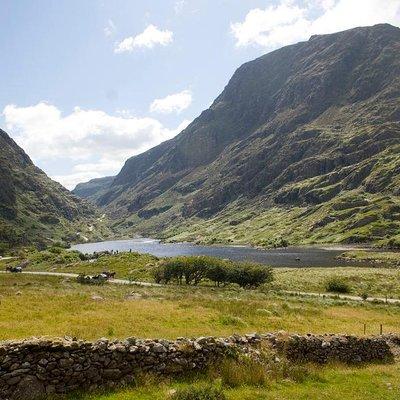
(302, 145)
(35, 209)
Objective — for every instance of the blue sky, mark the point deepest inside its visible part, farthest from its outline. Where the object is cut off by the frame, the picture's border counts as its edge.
(86, 84)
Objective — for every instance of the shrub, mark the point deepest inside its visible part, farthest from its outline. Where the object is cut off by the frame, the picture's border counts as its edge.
(192, 270)
(201, 392)
(364, 295)
(4, 247)
(337, 285)
(250, 275)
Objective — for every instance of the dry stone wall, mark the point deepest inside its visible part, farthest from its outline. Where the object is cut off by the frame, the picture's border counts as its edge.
(34, 367)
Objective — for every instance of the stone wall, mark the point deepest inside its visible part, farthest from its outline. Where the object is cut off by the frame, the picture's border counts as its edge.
(33, 367)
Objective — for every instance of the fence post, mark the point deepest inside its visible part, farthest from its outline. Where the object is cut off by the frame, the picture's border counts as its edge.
(365, 328)
(381, 329)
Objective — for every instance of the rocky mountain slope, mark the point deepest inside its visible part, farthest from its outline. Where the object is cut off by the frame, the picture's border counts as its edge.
(303, 145)
(94, 188)
(33, 208)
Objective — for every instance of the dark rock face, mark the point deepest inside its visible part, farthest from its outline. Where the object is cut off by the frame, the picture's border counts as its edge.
(298, 126)
(28, 197)
(30, 369)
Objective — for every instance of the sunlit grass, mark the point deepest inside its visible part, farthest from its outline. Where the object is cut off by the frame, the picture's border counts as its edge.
(373, 382)
(37, 306)
(375, 281)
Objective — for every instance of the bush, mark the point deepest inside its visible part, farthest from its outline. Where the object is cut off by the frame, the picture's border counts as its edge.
(250, 275)
(364, 295)
(4, 248)
(193, 270)
(337, 285)
(202, 392)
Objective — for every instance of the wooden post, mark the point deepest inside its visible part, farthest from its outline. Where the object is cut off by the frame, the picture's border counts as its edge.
(365, 328)
(381, 329)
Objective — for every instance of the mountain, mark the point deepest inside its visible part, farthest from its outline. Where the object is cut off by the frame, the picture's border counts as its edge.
(94, 188)
(35, 209)
(302, 145)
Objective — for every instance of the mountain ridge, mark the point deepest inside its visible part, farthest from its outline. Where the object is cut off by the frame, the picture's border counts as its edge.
(299, 127)
(33, 208)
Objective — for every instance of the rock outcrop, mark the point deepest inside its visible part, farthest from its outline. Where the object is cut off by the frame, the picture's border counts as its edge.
(302, 126)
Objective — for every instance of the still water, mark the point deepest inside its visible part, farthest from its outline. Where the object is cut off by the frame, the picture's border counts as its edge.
(310, 256)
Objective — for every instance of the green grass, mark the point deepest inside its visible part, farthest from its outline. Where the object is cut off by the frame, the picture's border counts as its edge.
(351, 217)
(379, 282)
(36, 306)
(334, 382)
(53, 306)
(390, 258)
(133, 266)
(376, 281)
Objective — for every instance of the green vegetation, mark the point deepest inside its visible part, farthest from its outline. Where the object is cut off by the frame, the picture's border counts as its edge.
(37, 210)
(380, 282)
(193, 270)
(332, 382)
(386, 258)
(293, 171)
(38, 305)
(337, 285)
(199, 392)
(56, 306)
(330, 222)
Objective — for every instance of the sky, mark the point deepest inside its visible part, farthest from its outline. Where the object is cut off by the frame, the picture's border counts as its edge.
(86, 84)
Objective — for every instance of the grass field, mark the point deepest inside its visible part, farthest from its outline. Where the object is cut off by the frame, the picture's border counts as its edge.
(54, 306)
(374, 281)
(35, 306)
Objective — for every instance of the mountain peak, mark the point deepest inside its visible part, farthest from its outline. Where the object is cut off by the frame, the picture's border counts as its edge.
(301, 126)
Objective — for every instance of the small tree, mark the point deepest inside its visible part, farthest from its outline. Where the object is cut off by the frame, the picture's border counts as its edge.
(337, 285)
(250, 275)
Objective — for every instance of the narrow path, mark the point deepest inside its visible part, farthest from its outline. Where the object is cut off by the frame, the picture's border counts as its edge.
(72, 275)
(6, 258)
(343, 296)
(149, 284)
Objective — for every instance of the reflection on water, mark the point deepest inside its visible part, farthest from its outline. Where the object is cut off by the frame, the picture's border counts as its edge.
(288, 257)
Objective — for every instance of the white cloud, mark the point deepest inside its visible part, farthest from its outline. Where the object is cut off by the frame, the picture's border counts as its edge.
(286, 22)
(110, 28)
(176, 102)
(150, 37)
(94, 142)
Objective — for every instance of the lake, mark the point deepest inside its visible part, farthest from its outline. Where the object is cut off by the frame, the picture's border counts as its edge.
(310, 256)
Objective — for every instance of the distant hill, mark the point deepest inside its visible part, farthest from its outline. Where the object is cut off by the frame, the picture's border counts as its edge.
(303, 145)
(94, 188)
(34, 208)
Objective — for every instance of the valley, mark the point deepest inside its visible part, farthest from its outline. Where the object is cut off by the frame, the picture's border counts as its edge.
(269, 226)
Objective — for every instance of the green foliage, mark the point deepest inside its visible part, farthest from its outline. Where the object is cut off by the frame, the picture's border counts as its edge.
(242, 372)
(337, 285)
(193, 270)
(52, 256)
(249, 275)
(364, 295)
(4, 247)
(199, 392)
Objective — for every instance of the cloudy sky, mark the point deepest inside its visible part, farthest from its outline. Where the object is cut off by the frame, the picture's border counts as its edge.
(85, 84)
